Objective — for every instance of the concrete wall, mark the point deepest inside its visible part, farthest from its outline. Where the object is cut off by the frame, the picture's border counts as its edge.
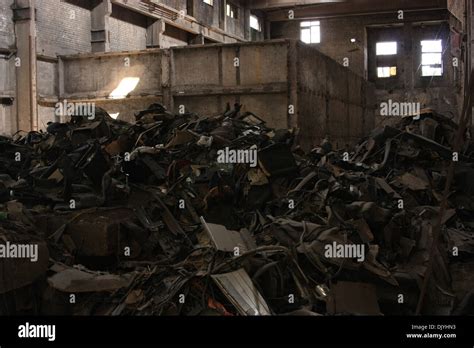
(443, 93)
(7, 41)
(173, 37)
(180, 5)
(215, 16)
(212, 80)
(440, 93)
(6, 119)
(270, 77)
(332, 101)
(93, 78)
(97, 76)
(237, 25)
(336, 34)
(47, 79)
(62, 28)
(7, 68)
(127, 29)
(7, 77)
(127, 110)
(7, 90)
(207, 14)
(46, 114)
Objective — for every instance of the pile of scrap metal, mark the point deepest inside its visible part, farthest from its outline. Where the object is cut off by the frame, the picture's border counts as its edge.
(143, 219)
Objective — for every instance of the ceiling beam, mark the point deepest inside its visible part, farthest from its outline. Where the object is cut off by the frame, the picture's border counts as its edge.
(273, 4)
(355, 7)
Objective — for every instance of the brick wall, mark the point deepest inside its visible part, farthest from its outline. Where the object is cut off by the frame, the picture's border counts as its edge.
(125, 36)
(127, 30)
(7, 69)
(63, 28)
(7, 40)
(7, 37)
(7, 77)
(7, 89)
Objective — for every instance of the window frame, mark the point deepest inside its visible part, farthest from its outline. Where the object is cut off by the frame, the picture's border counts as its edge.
(390, 72)
(386, 59)
(432, 52)
(377, 34)
(258, 21)
(310, 26)
(386, 43)
(231, 10)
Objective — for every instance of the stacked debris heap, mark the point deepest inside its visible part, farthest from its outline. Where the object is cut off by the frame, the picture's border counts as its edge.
(222, 215)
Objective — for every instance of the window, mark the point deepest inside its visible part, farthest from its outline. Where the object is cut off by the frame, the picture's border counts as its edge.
(255, 23)
(311, 32)
(386, 48)
(431, 58)
(386, 71)
(386, 65)
(232, 11)
(209, 2)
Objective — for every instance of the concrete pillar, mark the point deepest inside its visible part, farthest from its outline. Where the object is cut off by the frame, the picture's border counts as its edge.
(61, 88)
(268, 29)
(25, 64)
(190, 7)
(167, 68)
(154, 33)
(100, 16)
(408, 61)
(470, 48)
(247, 31)
(223, 16)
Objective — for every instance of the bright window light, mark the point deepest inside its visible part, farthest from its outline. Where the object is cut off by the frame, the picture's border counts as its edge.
(386, 48)
(255, 23)
(126, 86)
(386, 71)
(431, 46)
(231, 11)
(431, 58)
(311, 32)
(209, 2)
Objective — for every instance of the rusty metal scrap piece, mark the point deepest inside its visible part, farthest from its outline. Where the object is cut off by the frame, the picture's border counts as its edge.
(240, 290)
(412, 182)
(226, 240)
(73, 280)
